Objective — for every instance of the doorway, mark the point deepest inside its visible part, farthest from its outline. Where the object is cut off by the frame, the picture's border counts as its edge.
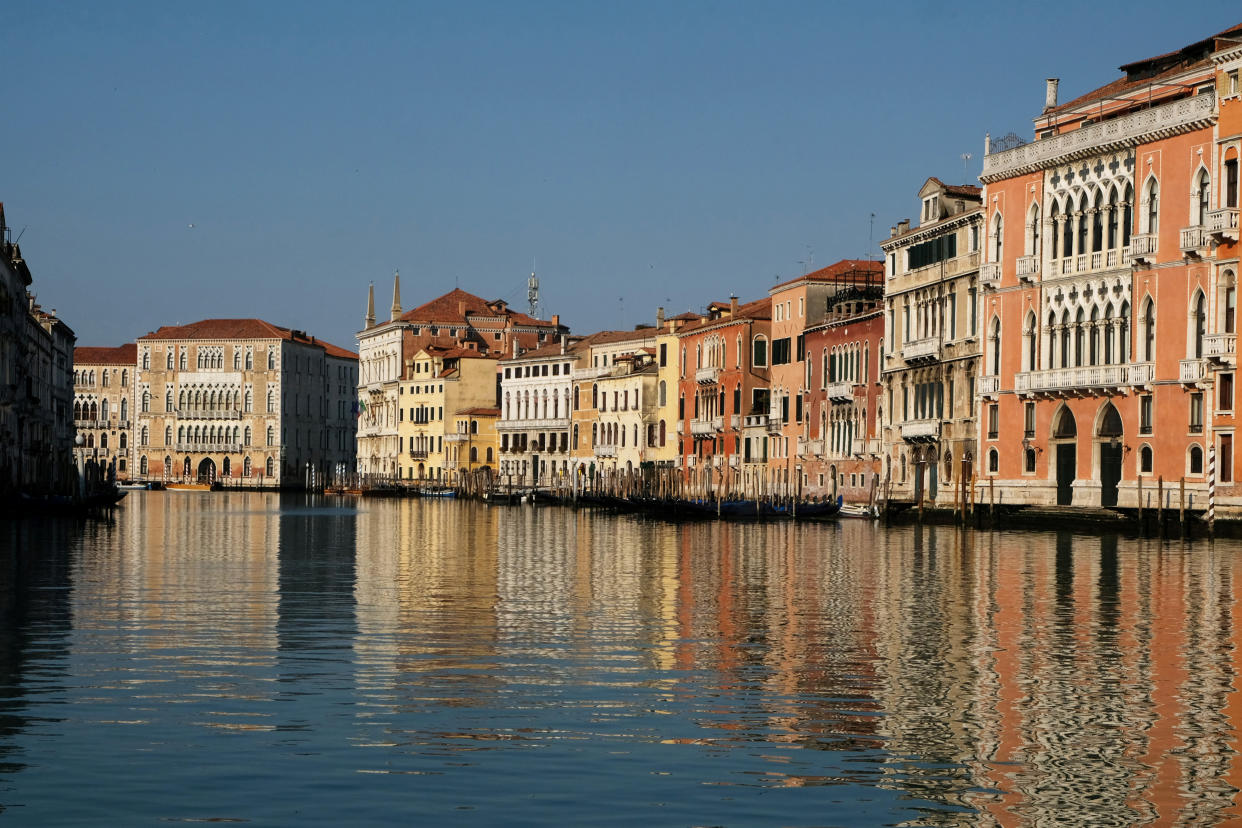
(207, 471)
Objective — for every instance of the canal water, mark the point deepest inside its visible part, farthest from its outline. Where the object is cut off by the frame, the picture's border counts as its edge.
(277, 660)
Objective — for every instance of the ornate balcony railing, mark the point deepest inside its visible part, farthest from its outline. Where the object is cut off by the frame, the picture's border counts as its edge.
(1028, 267)
(1193, 239)
(546, 423)
(1224, 223)
(755, 421)
(990, 274)
(707, 376)
(989, 385)
(1061, 380)
(735, 421)
(208, 414)
(775, 424)
(700, 426)
(926, 349)
(1143, 247)
(590, 373)
(1192, 370)
(810, 447)
(920, 429)
(841, 391)
(213, 448)
(1220, 346)
(605, 451)
(1118, 133)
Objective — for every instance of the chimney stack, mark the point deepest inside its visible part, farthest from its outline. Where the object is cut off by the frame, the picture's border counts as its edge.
(660, 317)
(732, 305)
(903, 227)
(1050, 94)
(556, 319)
(563, 338)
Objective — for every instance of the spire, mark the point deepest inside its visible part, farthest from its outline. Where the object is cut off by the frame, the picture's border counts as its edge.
(371, 306)
(396, 296)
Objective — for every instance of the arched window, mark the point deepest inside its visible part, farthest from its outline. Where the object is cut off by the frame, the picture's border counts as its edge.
(1097, 223)
(124, 377)
(1067, 232)
(124, 441)
(270, 467)
(142, 464)
(1054, 216)
(995, 346)
(167, 434)
(1199, 324)
(168, 359)
(103, 440)
(168, 399)
(1093, 348)
(1031, 342)
(1123, 334)
(1204, 205)
(759, 352)
(1152, 213)
(225, 468)
(184, 360)
(993, 461)
(144, 436)
(663, 433)
(1127, 216)
(1145, 460)
(246, 466)
(1230, 303)
(124, 408)
(1114, 218)
(1032, 224)
(663, 393)
(146, 401)
(1080, 344)
(997, 237)
(271, 401)
(271, 436)
(246, 436)
(1149, 330)
(1196, 460)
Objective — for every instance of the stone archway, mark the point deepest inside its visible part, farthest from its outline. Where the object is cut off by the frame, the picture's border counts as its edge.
(207, 470)
(1109, 434)
(1065, 439)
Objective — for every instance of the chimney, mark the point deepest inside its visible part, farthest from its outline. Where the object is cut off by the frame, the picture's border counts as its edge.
(892, 232)
(1050, 94)
(556, 319)
(461, 309)
(660, 317)
(515, 348)
(563, 337)
(903, 227)
(732, 305)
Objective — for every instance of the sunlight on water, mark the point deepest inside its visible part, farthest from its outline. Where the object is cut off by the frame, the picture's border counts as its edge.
(253, 657)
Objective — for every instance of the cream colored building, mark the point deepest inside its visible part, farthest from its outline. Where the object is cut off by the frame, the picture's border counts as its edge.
(103, 408)
(536, 413)
(439, 382)
(243, 402)
(608, 385)
(472, 445)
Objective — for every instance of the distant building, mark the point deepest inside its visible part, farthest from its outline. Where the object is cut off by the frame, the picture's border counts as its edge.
(103, 407)
(535, 412)
(244, 402)
(614, 393)
(455, 320)
(36, 384)
(439, 382)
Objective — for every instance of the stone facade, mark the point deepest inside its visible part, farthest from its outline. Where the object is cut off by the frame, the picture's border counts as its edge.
(103, 409)
(439, 382)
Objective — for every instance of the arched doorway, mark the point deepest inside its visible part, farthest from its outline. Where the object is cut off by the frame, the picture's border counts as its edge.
(1110, 434)
(1065, 437)
(207, 471)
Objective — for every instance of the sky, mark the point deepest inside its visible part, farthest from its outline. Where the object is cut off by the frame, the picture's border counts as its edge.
(165, 162)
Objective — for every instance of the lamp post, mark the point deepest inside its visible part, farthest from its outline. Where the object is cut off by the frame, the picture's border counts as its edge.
(79, 441)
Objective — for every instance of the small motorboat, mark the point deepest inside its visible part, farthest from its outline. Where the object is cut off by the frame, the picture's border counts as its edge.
(858, 510)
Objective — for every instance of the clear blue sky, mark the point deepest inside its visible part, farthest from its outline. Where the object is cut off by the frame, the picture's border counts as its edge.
(642, 154)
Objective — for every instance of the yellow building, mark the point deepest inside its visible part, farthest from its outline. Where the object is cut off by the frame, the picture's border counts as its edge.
(471, 446)
(437, 383)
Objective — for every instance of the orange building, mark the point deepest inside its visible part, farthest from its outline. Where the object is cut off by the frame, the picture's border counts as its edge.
(722, 395)
(796, 305)
(841, 451)
(1109, 288)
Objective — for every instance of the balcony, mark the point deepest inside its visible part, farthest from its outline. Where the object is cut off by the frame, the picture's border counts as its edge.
(734, 461)
(208, 414)
(605, 451)
(704, 427)
(775, 424)
(863, 446)
(810, 447)
(1223, 224)
(990, 274)
(1084, 379)
(1091, 262)
(1191, 371)
(1028, 268)
(590, 373)
(755, 421)
(920, 430)
(989, 387)
(548, 423)
(735, 422)
(1194, 240)
(211, 448)
(841, 391)
(707, 376)
(1222, 347)
(681, 427)
(418, 454)
(1143, 247)
(922, 350)
(458, 437)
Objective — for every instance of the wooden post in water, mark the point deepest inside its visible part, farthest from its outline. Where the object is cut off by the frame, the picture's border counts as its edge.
(1160, 504)
(1181, 506)
(1140, 502)
(992, 497)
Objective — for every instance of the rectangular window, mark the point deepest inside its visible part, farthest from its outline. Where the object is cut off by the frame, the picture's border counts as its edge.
(1196, 413)
(993, 421)
(951, 406)
(1145, 410)
(973, 311)
(1028, 427)
(1226, 458)
(953, 315)
(781, 351)
(1225, 383)
(798, 409)
(663, 354)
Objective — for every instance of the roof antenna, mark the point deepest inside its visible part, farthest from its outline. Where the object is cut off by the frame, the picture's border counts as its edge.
(870, 238)
(966, 156)
(532, 291)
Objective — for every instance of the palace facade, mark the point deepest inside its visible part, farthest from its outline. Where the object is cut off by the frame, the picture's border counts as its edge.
(103, 407)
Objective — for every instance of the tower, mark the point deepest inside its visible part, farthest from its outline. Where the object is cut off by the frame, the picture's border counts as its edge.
(395, 312)
(532, 294)
(370, 321)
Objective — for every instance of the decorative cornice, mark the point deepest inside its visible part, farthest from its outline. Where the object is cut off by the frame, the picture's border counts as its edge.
(1124, 132)
(926, 232)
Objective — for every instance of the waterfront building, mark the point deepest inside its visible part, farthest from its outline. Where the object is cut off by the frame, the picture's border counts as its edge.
(439, 381)
(722, 394)
(932, 345)
(455, 320)
(1111, 265)
(244, 402)
(796, 305)
(536, 413)
(103, 407)
(613, 388)
(840, 452)
(36, 384)
(666, 454)
(472, 445)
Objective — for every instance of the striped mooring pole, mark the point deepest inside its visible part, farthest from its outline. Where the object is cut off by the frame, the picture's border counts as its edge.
(1211, 507)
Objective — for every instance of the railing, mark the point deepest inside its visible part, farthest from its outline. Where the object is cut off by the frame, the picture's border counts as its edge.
(605, 451)
(1116, 133)
(1143, 246)
(920, 429)
(841, 391)
(734, 460)
(989, 385)
(927, 348)
(1087, 376)
(707, 376)
(702, 426)
(718, 423)
(458, 437)
(1224, 223)
(590, 373)
(681, 427)
(1219, 345)
(990, 274)
(517, 424)
(1192, 370)
(810, 447)
(775, 424)
(418, 454)
(215, 448)
(755, 421)
(1193, 239)
(735, 422)
(208, 414)
(1028, 267)
(90, 423)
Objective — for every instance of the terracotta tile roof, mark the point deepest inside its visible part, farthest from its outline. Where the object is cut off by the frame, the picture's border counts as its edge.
(835, 272)
(126, 354)
(1151, 71)
(455, 353)
(457, 305)
(243, 329)
(756, 310)
(479, 412)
